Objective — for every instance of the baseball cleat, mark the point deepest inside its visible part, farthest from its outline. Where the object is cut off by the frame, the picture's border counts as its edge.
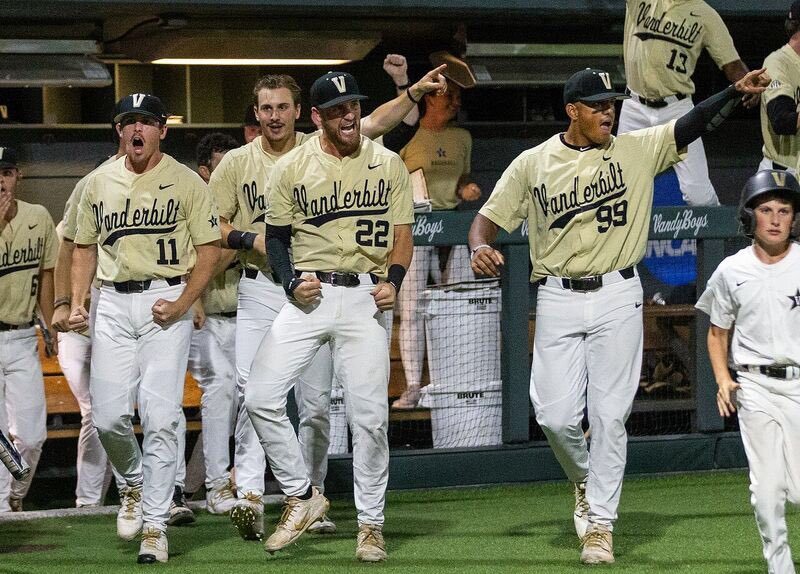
(581, 516)
(154, 547)
(598, 545)
(323, 526)
(370, 546)
(220, 499)
(409, 398)
(298, 515)
(129, 516)
(247, 515)
(179, 512)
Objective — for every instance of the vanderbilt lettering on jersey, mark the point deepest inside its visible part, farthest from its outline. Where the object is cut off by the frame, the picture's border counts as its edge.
(783, 66)
(239, 188)
(145, 225)
(588, 210)
(342, 212)
(663, 41)
(27, 246)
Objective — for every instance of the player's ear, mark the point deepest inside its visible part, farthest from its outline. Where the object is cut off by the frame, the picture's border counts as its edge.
(204, 172)
(316, 118)
(297, 111)
(118, 127)
(163, 133)
(572, 111)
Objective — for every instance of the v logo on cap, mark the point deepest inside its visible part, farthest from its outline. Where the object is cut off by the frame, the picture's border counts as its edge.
(606, 77)
(779, 177)
(138, 99)
(339, 82)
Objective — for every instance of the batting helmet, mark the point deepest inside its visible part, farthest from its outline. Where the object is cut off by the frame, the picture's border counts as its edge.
(773, 181)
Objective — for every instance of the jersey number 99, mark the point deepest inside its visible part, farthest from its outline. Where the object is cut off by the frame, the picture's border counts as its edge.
(612, 216)
(372, 233)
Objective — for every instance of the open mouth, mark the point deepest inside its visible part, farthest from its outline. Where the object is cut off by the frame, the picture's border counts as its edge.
(348, 129)
(137, 142)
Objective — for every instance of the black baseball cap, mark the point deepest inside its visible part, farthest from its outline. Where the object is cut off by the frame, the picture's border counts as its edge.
(794, 11)
(590, 85)
(8, 157)
(334, 88)
(142, 104)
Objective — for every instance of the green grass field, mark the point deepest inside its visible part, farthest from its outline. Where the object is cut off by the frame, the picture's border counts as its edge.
(686, 523)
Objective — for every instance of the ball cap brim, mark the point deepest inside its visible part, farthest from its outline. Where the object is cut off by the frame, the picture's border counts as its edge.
(8, 158)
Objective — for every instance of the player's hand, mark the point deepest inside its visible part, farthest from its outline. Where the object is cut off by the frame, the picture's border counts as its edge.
(260, 244)
(751, 100)
(198, 315)
(384, 295)
(469, 192)
(308, 291)
(753, 82)
(396, 66)
(487, 262)
(54, 345)
(61, 316)
(432, 81)
(78, 319)
(166, 312)
(725, 397)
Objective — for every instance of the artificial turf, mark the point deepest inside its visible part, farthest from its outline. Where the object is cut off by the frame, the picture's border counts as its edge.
(698, 523)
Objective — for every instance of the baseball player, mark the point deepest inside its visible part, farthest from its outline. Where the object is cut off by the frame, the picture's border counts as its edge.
(753, 301)
(343, 204)
(147, 227)
(587, 197)
(251, 129)
(212, 364)
(780, 121)
(239, 186)
(75, 350)
(663, 41)
(444, 153)
(28, 249)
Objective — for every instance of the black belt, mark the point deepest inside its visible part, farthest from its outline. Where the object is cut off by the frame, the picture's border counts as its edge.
(226, 314)
(139, 286)
(250, 273)
(773, 371)
(776, 165)
(10, 327)
(659, 102)
(341, 279)
(592, 283)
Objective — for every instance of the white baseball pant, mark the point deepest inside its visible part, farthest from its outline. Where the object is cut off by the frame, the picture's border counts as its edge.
(260, 301)
(212, 363)
(136, 362)
(347, 318)
(23, 410)
(692, 172)
(587, 352)
(94, 470)
(769, 420)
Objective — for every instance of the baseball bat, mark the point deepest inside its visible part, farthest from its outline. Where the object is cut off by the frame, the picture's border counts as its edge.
(12, 459)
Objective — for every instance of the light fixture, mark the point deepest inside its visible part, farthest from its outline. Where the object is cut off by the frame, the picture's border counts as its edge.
(51, 62)
(248, 62)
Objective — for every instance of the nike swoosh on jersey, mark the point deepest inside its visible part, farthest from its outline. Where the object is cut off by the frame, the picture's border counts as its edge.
(162, 187)
(738, 284)
(637, 305)
(693, 14)
(32, 226)
(374, 166)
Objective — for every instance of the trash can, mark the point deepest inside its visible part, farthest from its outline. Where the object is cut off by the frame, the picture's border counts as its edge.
(338, 417)
(465, 418)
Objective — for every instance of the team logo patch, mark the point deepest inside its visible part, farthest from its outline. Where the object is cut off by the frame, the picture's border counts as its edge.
(795, 299)
(339, 82)
(606, 79)
(779, 177)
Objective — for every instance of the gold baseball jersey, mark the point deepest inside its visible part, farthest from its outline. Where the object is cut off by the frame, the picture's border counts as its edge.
(663, 41)
(29, 245)
(70, 219)
(146, 225)
(444, 156)
(588, 210)
(783, 67)
(221, 295)
(238, 185)
(342, 212)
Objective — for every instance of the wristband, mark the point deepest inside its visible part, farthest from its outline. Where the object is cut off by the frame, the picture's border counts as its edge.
(478, 248)
(62, 301)
(410, 97)
(395, 276)
(291, 286)
(403, 86)
(241, 239)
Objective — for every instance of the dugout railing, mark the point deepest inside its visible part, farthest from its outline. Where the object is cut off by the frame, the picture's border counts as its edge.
(705, 444)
